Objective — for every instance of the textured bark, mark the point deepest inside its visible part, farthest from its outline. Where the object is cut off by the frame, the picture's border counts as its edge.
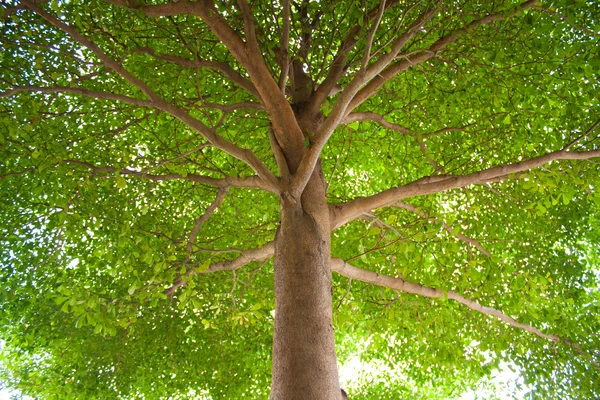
(304, 361)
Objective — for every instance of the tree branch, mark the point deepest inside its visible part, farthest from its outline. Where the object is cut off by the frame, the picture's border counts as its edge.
(80, 91)
(288, 132)
(252, 182)
(250, 105)
(345, 212)
(343, 268)
(380, 120)
(17, 173)
(377, 118)
(426, 54)
(245, 257)
(204, 217)
(225, 68)
(564, 18)
(446, 227)
(105, 58)
(280, 160)
(337, 68)
(371, 37)
(574, 141)
(309, 161)
(285, 46)
(244, 155)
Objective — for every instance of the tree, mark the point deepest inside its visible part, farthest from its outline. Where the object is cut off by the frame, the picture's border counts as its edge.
(422, 174)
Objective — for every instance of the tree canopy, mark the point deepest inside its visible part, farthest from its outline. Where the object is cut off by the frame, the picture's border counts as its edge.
(143, 149)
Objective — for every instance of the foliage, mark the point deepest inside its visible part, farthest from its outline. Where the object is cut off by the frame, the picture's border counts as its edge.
(121, 214)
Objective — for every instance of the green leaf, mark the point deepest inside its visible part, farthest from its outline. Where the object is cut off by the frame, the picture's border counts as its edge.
(374, 231)
(121, 182)
(132, 288)
(203, 266)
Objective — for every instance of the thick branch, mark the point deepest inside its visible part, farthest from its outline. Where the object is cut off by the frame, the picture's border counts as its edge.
(336, 116)
(289, 134)
(343, 268)
(242, 154)
(280, 160)
(343, 213)
(245, 257)
(285, 126)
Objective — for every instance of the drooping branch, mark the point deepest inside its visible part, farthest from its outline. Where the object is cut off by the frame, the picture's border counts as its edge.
(105, 58)
(158, 102)
(17, 173)
(251, 182)
(345, 269)
(446, 227)
(250, 105)
(122, 98)
(564, 18)
(345, 212)
(245, 257)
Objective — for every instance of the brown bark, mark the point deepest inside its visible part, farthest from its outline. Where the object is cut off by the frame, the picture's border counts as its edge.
(304, 361)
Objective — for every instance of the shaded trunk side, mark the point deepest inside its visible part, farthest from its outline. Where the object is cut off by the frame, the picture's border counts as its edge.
(304, 361)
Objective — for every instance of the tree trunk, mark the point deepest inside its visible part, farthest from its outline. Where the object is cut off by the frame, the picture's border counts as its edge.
(304, 361)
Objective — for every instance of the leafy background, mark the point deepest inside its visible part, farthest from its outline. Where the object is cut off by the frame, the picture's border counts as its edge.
(91, 240)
